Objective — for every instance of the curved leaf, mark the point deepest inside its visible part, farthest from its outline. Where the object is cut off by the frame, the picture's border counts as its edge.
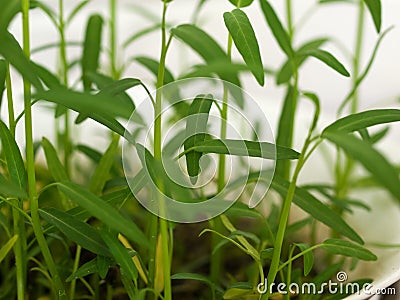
(15, 164)
(277, 29)
(53, 162)
(12, 52)
(196, 127)
(77, 231)
(371, 159)
(243, 35)
(364, 119)
(120, 254)
(205, 46)
(241, 3)
(286, 71)
(8, 10)
(91, 48)
(3, 75)
(375, 9)
(245, 148)
(320, 211)
(328, 59)
(346, 248)
(104, 212)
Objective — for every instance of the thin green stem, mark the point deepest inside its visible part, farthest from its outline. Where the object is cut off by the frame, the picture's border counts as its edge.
(64, 79)
(215, 263)
(74, 268)
(164, 224)
(10, 101)
(30, 164)
(113, 39)
(20, 249)
(289, 273)
(358, 53)
(276, 256)
(289, 18)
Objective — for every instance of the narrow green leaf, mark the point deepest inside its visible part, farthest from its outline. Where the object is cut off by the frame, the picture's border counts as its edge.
(152, 65)
(12, 52)
(77, 231)
(196, 128)
(8, 10)
(357, 121)
(308, 258)
(86, 269)
(91, 48)
(89, 152)
(346, 248)
(10, 189)
(120, 254)
(328, 59)
(364, 73)
(102, 171)
(243, 35)
(54, 164)
(75, 11)
(277, 29)
(239, 290)
(286, 71)
(286, 130)
(115, 198)
(103, 264)
(316, 209)
(245, 148)
(48, 78)
(192, 276)
(15, 164)
(241, 3)
(47, 10)
(3, 75)
(375, 9)
(7, 247)
(141, 33)
(104, 212)
(205, 46)
(371, 159)
(83, 102)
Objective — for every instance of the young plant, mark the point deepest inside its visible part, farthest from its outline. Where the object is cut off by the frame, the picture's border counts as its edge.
(73, 228)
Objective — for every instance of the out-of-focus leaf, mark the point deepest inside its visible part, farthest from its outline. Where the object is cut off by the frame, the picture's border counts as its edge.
(7, 247)
(371, 159)
(308, 258)
(91, 48)
(12, 52)
(346, 248)
(276, 27)
(375, 9)
(241, 3)
(15, 164)
(316, 209)
(8, 10)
